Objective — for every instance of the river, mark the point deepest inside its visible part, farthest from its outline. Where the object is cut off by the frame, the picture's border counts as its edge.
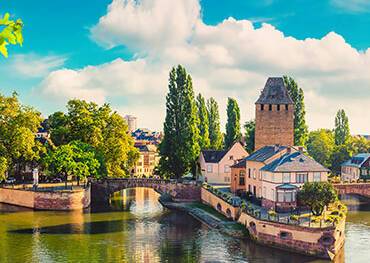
(137, 228)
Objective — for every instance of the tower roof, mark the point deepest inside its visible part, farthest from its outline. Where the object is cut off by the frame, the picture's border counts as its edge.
(274, 92)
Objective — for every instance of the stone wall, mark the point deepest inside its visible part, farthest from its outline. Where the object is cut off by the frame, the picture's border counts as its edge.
(362, 189)
(220, 205)
(274, 127)
(320, 242)
(56, 200)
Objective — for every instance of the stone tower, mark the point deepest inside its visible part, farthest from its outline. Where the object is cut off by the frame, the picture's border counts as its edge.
(274, 115)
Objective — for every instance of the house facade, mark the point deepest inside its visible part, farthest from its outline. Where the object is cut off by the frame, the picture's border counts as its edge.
(284, 177)
(215, 165)
(148, 160)
(356, 168)
(253, 164)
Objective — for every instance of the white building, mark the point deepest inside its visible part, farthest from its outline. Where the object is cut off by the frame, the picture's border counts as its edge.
(131, 122)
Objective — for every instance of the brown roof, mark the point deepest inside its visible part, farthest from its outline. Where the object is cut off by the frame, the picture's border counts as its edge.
(274, 92)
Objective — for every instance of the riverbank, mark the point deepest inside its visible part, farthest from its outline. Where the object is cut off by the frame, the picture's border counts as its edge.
(209, 217)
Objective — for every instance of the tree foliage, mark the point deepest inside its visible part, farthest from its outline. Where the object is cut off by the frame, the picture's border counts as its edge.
(233, 133)
(18, 125)
(250, 128)
(3, 168)
(203, 124)
(76, 158)
(99, 127)
(215, 135)
(300, 126)
(317, 195)
(342, 133)
(11, 33)
(320, 145)
(179, 148)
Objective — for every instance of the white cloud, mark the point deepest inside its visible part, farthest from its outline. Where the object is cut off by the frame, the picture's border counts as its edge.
(232, 58)
(352, 6)
(33, 65)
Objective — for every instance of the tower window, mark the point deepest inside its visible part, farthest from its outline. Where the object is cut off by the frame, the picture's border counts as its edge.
(278, 107)
(286, 106)
(270, 107)
(262, 107)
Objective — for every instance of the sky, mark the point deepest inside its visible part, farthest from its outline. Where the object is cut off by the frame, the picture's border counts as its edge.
(121, 51)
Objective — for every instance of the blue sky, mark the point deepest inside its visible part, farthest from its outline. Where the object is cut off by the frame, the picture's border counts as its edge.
(68, 53)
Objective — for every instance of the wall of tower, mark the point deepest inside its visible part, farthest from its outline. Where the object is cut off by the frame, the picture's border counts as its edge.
(274, 126)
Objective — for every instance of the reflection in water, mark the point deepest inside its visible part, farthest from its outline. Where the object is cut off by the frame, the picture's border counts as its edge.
(137, 229)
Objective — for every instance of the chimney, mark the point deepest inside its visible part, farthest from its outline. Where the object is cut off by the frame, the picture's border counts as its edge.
(289, 149)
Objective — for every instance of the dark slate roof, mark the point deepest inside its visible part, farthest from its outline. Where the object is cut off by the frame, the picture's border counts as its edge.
(294, 162)
(239, 164)
(265, 153)
(213, 156)
(287, 186)
(274, 92)
(357, 160)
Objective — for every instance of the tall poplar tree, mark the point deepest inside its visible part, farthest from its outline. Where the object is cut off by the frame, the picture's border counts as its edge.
(250, 128)
(233, 133)
(203, 124)
(215, 135)
(300, 126)
(179, 148)
(341, 132)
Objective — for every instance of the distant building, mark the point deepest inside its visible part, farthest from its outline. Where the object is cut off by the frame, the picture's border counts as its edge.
(146, 136)
(131, 122)
(148, 161)
(274, 115)
(358, 167)
(216, 165)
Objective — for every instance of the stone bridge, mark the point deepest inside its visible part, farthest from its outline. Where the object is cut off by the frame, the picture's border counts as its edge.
(362, 189)
(101, 190)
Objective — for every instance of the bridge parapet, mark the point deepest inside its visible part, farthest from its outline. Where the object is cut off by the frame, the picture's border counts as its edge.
(362, 189)
(101, 190)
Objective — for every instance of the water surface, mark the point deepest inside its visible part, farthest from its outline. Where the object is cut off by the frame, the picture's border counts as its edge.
(136, 228)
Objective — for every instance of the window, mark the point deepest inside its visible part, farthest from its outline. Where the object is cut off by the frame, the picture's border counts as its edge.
(317, 177)
(249, 188)
(254, 173)
(301, 178)
(262, 106)
(226, 179)
(286, 196)
(249, 172)
(270, 107)
(231, 157)
(286, 106)
(273, 195)
(286, 177)
(241, 180)
(278, 107)
(227, 169)
(209, 168)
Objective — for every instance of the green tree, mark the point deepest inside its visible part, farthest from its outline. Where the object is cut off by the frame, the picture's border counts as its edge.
(203, 124)
(358, 144)
(3, 168)
(101, 128)
(317, 195)
(76, 158)
(233, 133)
(215, 135)
(300, 126)
(340, 154)
(18, 125)
(320, 145)
(11, 33)
(179, 148)
(250, 127)
(342, 133)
